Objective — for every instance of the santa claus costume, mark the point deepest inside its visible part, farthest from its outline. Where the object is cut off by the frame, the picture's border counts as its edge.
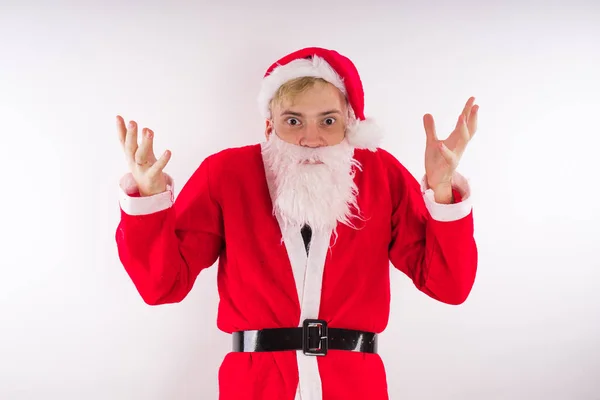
(304, 306)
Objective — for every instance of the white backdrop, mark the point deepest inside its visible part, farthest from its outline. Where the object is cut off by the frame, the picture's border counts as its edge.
(72, 325)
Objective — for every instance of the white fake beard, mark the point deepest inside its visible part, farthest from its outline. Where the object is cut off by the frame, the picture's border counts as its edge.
(320, 195)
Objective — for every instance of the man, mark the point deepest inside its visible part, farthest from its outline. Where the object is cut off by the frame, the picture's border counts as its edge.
(304, 227)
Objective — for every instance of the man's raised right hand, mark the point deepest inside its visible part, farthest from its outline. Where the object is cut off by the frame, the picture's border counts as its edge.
(145, 168)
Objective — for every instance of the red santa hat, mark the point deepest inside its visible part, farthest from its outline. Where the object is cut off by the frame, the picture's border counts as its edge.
(363, 133)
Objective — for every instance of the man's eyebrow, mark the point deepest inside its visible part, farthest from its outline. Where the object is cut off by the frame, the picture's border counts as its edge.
(297, 114)
(289, 112)
(333, 111)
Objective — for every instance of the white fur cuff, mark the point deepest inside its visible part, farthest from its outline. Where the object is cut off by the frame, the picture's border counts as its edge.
(143, 205)
(449, 212)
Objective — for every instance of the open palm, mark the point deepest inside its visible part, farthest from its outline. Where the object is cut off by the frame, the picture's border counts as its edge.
(146, 169)
(442, 156)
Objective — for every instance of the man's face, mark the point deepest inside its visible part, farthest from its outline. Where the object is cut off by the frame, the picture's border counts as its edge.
(309, 161)
(314, 118)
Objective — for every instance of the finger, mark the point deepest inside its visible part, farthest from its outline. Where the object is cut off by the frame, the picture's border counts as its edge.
(131, 143)
(145, 153)
(121, 130)
(467, 109)
(160, 164)
(460, 135)
(472, 123)
(429, 126)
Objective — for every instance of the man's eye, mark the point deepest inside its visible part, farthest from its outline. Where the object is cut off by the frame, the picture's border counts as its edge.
(329, 121)
(293, 121)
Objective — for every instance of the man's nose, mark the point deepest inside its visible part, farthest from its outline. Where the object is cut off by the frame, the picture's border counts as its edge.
(311, 136)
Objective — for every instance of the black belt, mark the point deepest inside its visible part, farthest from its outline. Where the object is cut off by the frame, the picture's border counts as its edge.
(313, 338)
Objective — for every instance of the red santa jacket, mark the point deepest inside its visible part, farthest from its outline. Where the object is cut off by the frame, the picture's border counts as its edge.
(267, 280)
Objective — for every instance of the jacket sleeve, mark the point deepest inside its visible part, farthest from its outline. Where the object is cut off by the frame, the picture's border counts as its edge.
(163, 243)
(433, 244)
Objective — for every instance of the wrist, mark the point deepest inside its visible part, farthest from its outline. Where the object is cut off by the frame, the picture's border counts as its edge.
(153, 192)
(443, 194)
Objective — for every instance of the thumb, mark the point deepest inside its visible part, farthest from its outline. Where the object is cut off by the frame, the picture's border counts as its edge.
(160, 164)
(448, 155)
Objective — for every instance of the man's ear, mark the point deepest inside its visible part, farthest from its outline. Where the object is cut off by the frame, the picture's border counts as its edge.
(268, 128)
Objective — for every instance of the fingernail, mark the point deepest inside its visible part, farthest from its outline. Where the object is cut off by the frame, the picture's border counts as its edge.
(131, 125)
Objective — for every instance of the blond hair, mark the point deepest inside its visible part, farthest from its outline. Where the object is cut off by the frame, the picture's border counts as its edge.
(292, 88)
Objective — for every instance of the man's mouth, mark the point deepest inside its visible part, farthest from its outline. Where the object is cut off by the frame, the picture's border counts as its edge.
(312, 162)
